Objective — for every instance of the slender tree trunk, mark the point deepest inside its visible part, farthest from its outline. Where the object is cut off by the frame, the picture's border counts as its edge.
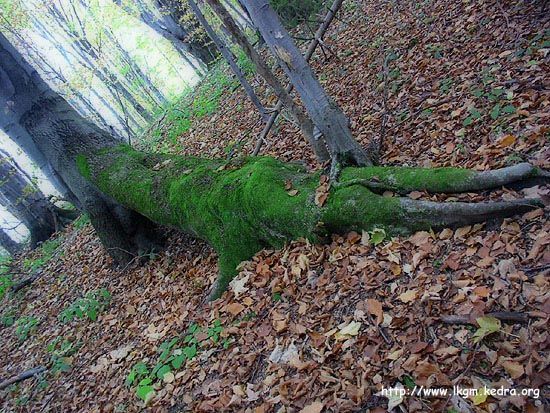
(305, 124)
(8, 243)
(230, 59)
(324, 112)
(167, 21)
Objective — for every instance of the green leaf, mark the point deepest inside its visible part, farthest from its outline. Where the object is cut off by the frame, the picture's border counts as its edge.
(131, 378)
(163, 370)
(377, 235)
(475, 113)
(145, 393)
(468, 121)
(92, 314)
(409, 382)
(178, 361)
(509, 109)
(190, 352)
(141, 368)
(495, 112)
(487, 325)
(477, 92)
(426, 113)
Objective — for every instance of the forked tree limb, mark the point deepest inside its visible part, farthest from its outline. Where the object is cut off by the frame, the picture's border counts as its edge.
(301, 118)
(442, 180)
(317, 38)
(22, 376)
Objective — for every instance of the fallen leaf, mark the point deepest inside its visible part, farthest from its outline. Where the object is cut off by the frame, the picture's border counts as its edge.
(234, 308)
(315, 407)
(352, 329)
(487, 325)
(513, 368)
(408, 296)
(374, 307)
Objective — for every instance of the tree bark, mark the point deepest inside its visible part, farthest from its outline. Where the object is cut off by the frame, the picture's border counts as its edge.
(8, 243)
(324, 112)
(241, 208)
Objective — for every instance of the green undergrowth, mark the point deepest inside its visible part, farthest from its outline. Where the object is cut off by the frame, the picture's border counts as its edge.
(88, 306)
(172, 356)
(25, 326)
(179, 115)
(45, 253)
(81, 221)
(6, 280)
(61, 351)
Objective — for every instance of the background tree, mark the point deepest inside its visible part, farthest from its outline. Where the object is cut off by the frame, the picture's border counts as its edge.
(172, 20)
(229, 58)
(8, 243)
(27, 203)
(61, 134)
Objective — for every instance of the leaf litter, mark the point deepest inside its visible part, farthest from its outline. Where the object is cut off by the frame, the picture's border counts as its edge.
(314, 328)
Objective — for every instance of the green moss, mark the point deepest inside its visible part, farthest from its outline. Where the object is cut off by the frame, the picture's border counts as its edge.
(83, 167)
(406, 179)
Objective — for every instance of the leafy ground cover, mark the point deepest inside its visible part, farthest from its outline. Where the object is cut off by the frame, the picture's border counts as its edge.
(316, 328)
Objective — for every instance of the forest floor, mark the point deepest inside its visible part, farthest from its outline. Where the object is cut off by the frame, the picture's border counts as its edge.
(314, 328)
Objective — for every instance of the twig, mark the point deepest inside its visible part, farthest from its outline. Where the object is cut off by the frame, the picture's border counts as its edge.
(513, 317)
(384, 335)
(23, 376)
(385, 114)
(27, 281)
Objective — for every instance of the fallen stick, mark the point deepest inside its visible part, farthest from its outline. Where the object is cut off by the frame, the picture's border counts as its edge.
(499, 315)
(309, 52)
(25, 282)
(23, 376)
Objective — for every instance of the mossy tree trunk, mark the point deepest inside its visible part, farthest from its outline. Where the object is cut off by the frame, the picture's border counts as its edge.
(241, 208)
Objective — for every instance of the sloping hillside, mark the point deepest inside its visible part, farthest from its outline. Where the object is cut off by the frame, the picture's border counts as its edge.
(326, 328)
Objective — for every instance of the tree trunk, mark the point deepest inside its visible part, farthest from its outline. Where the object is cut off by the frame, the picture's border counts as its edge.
(8, 243)
(305, 124)
(167, 21)
(324, 112)
(60, 133)
(244, 207)
(229, 57)
(26, 202)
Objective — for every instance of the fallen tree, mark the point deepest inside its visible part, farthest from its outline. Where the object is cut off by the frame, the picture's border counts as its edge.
(239, 207)
(260, 202)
